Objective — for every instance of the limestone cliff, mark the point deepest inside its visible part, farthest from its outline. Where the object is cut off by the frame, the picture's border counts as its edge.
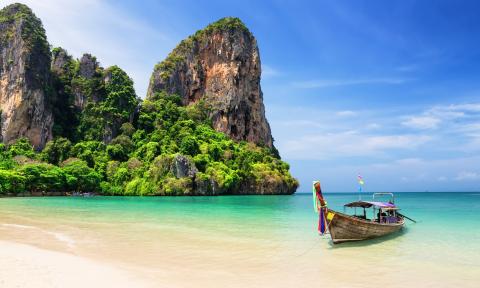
(88, 70)
(89, 99)
(65, 114)
(220, 64)
(152, 147)
(74, 75)
(24, 77)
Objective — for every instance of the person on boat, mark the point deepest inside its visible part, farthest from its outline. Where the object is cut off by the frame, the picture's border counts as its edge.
(381, 216)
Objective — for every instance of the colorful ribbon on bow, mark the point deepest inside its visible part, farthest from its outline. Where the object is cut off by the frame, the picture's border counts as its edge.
(320, 206)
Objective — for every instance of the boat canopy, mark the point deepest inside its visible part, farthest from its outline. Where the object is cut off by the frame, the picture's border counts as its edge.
(368, 204)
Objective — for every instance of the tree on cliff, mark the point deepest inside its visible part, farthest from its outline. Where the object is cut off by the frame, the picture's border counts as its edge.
(199, 131)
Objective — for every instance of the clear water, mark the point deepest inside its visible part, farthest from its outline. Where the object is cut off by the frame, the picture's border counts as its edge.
(258, 233)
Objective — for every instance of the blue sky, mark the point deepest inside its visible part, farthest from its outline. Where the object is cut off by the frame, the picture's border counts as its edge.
(387, 89)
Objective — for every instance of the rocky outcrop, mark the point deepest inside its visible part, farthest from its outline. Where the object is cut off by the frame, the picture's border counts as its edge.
(65, 113)
(183, 167)
(88, 66)
(78, 79)
(24, 77)
(206, 187)
(220, 64)
(61, 62)
(266, 187)
(88, 71)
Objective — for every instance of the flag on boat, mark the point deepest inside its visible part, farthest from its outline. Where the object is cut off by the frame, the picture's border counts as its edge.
(360, 180)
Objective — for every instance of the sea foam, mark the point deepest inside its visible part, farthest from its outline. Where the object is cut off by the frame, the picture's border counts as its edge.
(62, 237)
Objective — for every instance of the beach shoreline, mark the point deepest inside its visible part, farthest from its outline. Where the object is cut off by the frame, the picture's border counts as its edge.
(26, 266)
(226, 242)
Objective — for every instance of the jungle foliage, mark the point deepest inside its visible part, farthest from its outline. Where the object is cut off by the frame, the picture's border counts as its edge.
(113, 143)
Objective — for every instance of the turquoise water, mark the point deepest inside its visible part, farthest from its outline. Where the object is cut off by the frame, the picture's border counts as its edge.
(258, 231)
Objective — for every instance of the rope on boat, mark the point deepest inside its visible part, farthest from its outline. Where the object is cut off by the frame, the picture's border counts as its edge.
(315, 243)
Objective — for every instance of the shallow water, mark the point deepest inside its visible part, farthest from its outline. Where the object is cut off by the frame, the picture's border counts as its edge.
(254, 240)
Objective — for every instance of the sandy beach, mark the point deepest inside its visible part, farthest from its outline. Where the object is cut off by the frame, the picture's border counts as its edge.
(27, 266)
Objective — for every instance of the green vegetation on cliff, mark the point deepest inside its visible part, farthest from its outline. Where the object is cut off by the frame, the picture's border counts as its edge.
(93, 106)
(114, 105)
(64, 113)
(168, 150)
(32, 30)
(106, 140)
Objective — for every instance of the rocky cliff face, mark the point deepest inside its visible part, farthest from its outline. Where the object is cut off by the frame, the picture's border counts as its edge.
(220, 64)
(65, 113)
(87, 70)
(24, 77)
(47, 94)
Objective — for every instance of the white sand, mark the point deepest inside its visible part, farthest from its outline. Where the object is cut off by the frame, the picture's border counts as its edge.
(28, 266)
(173, 258)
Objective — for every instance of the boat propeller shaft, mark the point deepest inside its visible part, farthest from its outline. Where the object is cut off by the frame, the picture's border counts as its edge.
(407, 217)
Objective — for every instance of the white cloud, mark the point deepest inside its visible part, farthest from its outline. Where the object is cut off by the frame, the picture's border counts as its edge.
(437, 130)
(472, 128)
(396, 141)
(467, 176)
(431, 118)
(268, 71)
(391, 175)
(373, 126)
(471, 107)
(346, 113)
(456, 123)
(454, 111)
(442, 179)
(322, 83)
(414, 178)
(348, 143)
(409, 161)
(422, 122)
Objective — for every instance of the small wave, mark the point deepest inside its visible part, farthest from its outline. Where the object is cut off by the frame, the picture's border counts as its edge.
(62, 238)
(57, 235)
(19, 226)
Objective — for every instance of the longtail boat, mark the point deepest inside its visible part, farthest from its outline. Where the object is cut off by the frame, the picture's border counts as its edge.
(384, 218)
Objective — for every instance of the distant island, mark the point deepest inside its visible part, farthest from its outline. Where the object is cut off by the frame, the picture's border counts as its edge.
(70, 125)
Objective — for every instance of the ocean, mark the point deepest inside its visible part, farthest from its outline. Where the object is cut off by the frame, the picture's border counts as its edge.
(255, 241)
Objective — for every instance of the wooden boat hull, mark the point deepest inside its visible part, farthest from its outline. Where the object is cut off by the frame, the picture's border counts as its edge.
(344, 228)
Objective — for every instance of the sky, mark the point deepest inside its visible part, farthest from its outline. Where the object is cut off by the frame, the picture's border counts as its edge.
(386, 89)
